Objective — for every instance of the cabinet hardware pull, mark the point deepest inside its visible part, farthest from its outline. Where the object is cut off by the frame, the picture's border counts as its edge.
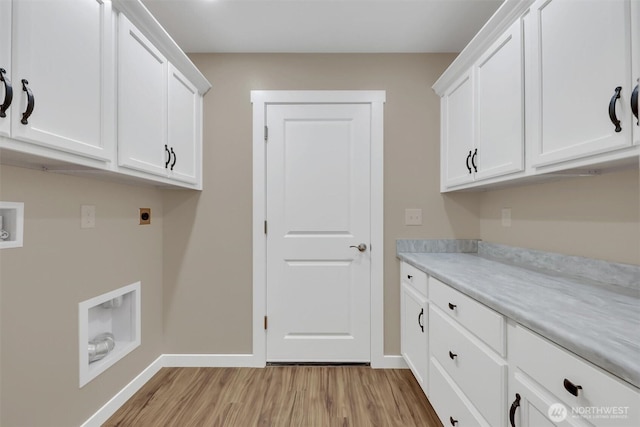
(409, 276)
(634, 103)
(420, 316)
(512, 411)
(175, 158)
(468, 158)
(452, 421)
(31, 101)
(571, 387)
(8, 93)
(473, 160)
(452, 355)
(166, 149)
(452, 306)
(612, 109)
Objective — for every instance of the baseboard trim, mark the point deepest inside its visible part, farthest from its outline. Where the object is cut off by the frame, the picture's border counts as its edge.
(391, 362)
(110, 408)
(212, 361)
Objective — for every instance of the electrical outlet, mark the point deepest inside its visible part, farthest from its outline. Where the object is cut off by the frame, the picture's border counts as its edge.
(413, 217)
(87, 216)
(145, 216)
(506, 217)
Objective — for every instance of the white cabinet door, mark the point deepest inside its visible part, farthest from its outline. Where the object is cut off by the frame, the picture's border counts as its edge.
(414, 339)
(5, 64)
(59, 56)
(142, 102)
(635, 44)
(184, 128)
(580, 53)
(457, 108)
(500, 107)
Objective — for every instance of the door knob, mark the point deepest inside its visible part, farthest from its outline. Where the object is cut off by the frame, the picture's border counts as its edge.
(361, 247)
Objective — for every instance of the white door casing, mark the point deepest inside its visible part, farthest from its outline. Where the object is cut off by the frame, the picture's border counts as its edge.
(313, 242)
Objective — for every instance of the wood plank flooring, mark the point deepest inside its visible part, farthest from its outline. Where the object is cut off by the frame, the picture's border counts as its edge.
(295, 396)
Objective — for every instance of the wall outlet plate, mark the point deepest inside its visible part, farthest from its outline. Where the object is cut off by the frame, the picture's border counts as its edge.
(145, 216)
(413, 217)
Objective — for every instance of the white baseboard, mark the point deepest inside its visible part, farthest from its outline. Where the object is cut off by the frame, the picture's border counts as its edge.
(199, 361)
(211, 361)
(125, 394)
(391, 362)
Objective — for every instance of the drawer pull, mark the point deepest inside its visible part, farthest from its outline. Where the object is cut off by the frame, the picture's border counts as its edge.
(409, 276)
(452, 421)
(512, 411)
(31, 101)
(452, 306)
(612, 109)
(8, 92)
(571, 387)
(420, 323)
(452, 355)
(469, 158)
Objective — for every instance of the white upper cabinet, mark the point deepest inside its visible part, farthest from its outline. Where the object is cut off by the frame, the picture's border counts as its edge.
(457, 132)
(6, 84)
(482, 115)
(142, 102)
(635, 44)
(579, 63)
(184, 133)
(500, 110)
(60, 71)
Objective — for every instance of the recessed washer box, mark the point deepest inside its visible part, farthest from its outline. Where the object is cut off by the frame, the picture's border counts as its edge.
(116, 312)
(11, 224)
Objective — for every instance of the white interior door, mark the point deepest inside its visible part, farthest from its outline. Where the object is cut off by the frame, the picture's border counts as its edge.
(318, 210)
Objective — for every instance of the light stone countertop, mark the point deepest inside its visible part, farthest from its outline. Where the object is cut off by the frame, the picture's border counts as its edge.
(599, 322)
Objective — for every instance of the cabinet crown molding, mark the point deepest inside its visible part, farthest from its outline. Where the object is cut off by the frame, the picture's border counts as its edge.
(495, 26)
(140, 16)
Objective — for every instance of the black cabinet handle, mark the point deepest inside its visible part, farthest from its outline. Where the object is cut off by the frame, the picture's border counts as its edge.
(452, 355)
(452, 421)
(468, 158)
(30, 102)
(452, 306)
(634, 103)
(473, 160)
(612, 109)
(571, 387)
(420, 316)
(409, 276)
(166, 149)
(175, 158)
(8, 93)
(512, 411)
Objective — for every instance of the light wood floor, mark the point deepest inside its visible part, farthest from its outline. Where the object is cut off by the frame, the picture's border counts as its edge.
(296, 396)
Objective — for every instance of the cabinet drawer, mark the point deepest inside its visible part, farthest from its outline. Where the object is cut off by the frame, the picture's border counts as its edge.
(550, 365)
(448, 402)
(479, 373)
(414, 277)
(482, 321)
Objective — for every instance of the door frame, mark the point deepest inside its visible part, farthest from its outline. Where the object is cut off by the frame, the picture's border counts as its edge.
(261, 99)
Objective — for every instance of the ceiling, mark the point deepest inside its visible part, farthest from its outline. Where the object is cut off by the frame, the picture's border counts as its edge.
(322, 25)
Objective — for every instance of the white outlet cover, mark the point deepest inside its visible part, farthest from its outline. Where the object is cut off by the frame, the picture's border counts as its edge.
(413, 217)
(87, 216)
(506, 217)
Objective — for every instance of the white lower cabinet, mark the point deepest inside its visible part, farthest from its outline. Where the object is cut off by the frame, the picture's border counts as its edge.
(551, 386)
(414, 326)
(479, 369)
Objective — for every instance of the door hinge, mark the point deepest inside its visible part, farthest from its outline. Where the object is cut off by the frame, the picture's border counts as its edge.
(265, 226)
(265, 323)
(266, 133)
